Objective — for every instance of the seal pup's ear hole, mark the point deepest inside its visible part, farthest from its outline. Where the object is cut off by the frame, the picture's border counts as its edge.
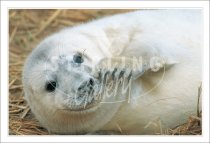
(50, 86)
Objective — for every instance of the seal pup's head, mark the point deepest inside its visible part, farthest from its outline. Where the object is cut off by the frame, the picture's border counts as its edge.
(60, 87)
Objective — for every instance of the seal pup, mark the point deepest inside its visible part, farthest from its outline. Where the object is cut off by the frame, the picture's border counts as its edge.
(133, 73)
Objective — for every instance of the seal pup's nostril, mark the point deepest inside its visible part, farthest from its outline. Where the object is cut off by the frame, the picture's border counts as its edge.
(80, 88)
(91, 81)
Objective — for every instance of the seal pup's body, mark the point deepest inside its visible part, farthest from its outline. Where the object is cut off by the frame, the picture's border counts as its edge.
(158, 99)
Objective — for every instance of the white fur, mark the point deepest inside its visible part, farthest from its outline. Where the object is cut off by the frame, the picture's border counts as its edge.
(160, 100)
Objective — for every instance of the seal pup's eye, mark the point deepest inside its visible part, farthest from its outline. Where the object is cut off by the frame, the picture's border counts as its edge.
(50, 86)
(78, 58)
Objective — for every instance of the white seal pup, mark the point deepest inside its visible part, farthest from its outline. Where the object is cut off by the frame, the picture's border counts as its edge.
(133, 73)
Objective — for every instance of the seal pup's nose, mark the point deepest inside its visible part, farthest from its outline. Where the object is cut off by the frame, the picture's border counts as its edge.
(86, 84)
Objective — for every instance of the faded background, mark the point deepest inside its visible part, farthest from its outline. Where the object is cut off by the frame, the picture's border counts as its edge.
(26, 29)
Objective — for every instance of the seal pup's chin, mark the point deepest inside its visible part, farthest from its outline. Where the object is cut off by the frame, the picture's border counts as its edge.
(91, 107)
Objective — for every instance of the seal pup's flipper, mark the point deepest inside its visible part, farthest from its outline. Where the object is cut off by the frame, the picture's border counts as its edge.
(132, 67)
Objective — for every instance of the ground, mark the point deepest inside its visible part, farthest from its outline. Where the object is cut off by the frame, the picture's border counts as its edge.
(26, 29)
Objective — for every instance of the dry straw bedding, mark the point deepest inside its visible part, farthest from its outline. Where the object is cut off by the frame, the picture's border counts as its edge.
(26, 29)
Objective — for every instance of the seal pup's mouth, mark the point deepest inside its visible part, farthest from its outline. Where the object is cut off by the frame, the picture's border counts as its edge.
(86, 108)
(89, 107)
(87, 98)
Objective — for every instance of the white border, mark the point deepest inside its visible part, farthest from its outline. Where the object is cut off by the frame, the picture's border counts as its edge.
(5, 5)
